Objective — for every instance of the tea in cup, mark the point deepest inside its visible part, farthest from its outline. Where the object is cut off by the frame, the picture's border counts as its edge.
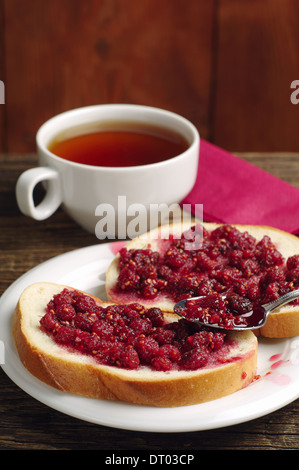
(110, 157)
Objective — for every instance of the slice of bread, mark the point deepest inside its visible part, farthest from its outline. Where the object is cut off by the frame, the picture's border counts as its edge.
(81, 374)
(282, 323)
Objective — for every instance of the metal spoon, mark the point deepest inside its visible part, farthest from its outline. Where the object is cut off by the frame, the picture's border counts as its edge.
(254, 319)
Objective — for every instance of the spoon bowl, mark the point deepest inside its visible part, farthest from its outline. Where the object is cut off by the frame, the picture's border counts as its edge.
(251, 320)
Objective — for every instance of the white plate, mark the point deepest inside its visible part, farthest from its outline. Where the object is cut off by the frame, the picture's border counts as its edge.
(278, 363)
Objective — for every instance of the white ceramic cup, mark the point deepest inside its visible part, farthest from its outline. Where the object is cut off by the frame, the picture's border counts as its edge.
(80, 188)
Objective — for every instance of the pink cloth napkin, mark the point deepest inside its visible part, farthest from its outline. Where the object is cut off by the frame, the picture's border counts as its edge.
(234, 191)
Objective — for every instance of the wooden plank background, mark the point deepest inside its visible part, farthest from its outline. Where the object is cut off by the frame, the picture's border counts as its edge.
(227, 65)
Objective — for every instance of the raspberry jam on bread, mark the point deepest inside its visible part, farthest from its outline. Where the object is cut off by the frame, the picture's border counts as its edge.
(78, 344)
(250, 271)
(130, 336)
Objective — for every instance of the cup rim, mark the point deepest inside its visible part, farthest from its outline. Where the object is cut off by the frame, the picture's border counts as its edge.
(85, 109)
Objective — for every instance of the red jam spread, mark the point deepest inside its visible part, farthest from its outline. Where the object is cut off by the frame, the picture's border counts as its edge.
(229, 261)
(227, 311)
(130, 336)
(224, 311)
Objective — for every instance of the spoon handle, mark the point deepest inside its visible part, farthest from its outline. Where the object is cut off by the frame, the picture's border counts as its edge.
(292, 295)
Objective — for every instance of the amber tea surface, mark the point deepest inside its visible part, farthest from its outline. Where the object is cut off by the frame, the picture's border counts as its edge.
(120, 145)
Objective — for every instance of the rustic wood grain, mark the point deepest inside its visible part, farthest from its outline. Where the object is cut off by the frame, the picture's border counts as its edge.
(3, 136)
(65, 54)
(27, 424)
(226, 65)
(257, 59)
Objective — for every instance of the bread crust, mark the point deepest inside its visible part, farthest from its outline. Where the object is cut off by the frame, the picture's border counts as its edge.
(79, 374)
(283, 323)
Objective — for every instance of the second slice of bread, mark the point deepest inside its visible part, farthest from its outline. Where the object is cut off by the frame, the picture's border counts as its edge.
(282, 323)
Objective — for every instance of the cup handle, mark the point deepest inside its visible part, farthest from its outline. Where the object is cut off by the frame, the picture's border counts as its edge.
(24, 192)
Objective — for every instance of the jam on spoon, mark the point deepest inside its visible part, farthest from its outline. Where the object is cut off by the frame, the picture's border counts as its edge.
(229, 312)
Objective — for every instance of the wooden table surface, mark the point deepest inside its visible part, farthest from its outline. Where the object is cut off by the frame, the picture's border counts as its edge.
(26, 423)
